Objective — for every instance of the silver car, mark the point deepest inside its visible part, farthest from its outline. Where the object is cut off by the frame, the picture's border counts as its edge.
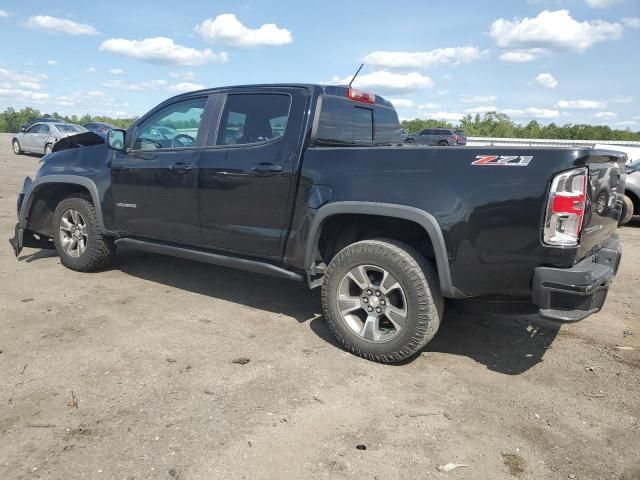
(40, 137)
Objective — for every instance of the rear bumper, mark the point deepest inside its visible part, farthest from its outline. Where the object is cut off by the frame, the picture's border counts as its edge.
(571, 294)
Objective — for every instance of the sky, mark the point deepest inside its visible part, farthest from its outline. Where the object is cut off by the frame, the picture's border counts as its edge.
(562, 61)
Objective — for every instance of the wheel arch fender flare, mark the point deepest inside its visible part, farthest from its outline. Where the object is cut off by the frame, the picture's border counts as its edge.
(48, 180)
(416, 215)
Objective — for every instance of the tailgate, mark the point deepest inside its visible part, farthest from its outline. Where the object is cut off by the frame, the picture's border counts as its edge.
(605, 196)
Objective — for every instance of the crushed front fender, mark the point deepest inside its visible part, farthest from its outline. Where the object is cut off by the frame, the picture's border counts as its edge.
(16, 242)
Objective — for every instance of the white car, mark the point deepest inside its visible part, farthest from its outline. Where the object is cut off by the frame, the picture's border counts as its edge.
(40, 137)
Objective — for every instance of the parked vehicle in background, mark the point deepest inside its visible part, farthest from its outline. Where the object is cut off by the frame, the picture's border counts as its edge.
(33, 121)
(631, 199)
(41, 137)
(443, 137)
(101, 128)
(310, 183)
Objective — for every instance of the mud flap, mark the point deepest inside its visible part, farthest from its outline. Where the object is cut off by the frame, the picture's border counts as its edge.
(16, 241)
(26, 238)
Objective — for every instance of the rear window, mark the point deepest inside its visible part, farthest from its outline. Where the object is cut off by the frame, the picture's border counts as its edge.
(68, 128)
(345, 122)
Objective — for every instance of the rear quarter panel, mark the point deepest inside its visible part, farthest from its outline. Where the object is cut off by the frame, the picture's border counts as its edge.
(491, 216)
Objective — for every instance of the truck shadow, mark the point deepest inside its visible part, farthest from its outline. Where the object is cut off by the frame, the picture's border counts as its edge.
(505, 345)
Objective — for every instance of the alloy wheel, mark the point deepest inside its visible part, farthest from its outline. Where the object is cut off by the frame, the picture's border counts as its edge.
(372, 303)
(73, 233)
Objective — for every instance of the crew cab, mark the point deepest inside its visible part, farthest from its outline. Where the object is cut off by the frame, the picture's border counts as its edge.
(312, 183)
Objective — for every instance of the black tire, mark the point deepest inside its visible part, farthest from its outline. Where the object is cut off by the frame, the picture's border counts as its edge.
(47, 148)
(443, 143)
(627, 211)
(417, 278)
(17, 149)
(410, 141)
(100, 249)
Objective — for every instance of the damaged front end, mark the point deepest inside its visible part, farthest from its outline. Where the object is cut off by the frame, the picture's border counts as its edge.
(23, 237)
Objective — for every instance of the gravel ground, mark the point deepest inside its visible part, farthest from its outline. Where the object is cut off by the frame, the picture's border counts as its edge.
(130, 374)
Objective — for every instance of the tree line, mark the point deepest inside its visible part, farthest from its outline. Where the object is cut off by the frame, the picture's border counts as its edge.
(493, 124)
(11, 119)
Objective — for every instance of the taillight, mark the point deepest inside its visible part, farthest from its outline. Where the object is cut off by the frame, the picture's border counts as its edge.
(565, 208)
(360, 96)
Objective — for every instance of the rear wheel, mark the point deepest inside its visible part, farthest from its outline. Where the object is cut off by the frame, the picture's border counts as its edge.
(47, 148)
(78, 240)
(627, 211)
(410, 141)
(382, 300)
(16, 147)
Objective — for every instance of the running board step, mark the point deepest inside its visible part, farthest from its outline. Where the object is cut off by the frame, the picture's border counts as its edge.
(212, 258)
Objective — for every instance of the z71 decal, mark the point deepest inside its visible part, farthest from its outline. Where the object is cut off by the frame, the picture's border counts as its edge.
(503, 160)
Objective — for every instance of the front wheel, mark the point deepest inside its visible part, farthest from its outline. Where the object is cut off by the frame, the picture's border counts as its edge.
(382, 300)
(17, 149)
(48, 148)
(77, 237)
(443, 144)
(627, 211)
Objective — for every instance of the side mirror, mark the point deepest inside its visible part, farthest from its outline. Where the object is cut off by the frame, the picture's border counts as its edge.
(115, 140)
(23, 129)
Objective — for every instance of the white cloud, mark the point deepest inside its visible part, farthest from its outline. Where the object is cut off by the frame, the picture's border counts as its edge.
(29, 85)
(581, 104)
(91, 70)
(388, 81)
(182, 75)
(443, 93)
(52, 62)
(227, 29)
(626, 99)
(25, 80)
(22, 95)
(4, 14)
(631, 22)
(524, 55)
(479, 99)
(605, 115)
(546, 80)
(534, 112)
(161, 51)
(154, 85)
(482, 109)
(447, 116)
(116, 71)
(185, 87)
(136, 87)
(429, 106)
(625, 123)
(555, 30)
(427, 59)
(93, 102)
(402, 102)
(602, 3)
(60, 25)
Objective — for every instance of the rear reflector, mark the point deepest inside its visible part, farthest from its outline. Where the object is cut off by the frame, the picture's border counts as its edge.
(360, 96)
(565, 208)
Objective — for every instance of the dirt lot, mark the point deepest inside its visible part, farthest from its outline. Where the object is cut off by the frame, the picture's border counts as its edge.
(129, 374)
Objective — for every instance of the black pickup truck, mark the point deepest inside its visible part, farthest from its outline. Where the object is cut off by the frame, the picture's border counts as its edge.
(312, 183)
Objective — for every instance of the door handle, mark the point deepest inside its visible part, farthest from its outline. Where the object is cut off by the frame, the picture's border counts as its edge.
(268, 168)
(181, 166)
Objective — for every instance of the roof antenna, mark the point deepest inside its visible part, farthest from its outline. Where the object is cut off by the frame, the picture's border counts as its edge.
(354, 77)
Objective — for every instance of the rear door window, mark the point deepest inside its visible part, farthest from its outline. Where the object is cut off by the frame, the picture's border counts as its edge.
(253, 118)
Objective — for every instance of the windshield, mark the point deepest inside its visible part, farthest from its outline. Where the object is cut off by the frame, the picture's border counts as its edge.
(69, 128)
(635, 165)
